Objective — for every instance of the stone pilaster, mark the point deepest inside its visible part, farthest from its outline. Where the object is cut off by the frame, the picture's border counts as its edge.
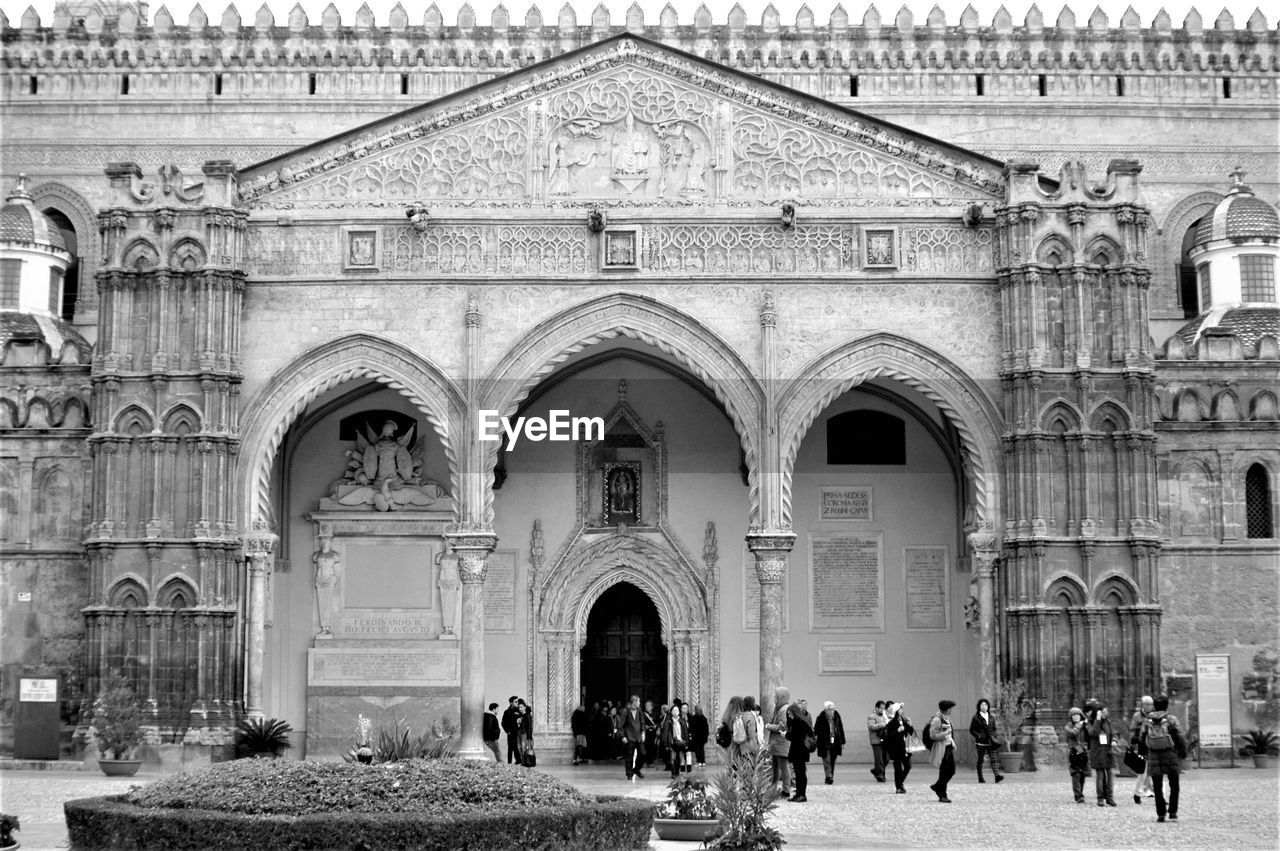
(472, 548)
(984, 553)
(259, 545)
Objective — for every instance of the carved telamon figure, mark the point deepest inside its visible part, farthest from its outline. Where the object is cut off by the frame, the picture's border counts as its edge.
(449, 583)
(328, 580)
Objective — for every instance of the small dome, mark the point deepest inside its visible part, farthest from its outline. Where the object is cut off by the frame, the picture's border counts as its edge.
(19, 328)
(1249, 324)
(1240, 215)
(21, 222)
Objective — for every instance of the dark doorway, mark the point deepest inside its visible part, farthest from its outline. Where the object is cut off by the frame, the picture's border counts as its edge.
(624, 653)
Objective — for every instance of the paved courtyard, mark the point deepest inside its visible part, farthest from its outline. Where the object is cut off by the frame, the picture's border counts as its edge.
(1221, 809)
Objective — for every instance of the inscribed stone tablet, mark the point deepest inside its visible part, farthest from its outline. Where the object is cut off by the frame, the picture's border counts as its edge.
(927, 588)
(854, 657)
(342, 666)
(844, 503)
(500, 591)
(846, 582)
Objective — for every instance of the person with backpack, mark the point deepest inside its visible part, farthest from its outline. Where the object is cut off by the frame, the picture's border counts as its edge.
(875, 732)
(724, 733)
(746, 731)
(778, 743)
(1101, 758)
(1143, 783)
(699, 732)
(829, 731)
(1166, 747)
(942, 746)
(983, 730)
(895, 744)
(802, 742)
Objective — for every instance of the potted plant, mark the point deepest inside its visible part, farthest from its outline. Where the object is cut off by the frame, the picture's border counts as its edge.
(744, 796)
(117, 725)
(1261, 745)
(262, 738)
(688, 814)
(1013, 708)
(8, 824)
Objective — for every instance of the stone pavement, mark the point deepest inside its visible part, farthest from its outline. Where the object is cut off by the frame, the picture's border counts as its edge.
(1221, 809)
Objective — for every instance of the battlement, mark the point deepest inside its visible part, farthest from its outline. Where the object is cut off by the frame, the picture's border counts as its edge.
(126, 39)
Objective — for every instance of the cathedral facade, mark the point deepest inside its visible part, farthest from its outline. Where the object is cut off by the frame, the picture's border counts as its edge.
(394, 368)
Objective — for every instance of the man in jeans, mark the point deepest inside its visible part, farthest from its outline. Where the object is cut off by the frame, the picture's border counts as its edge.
(492, 731)
(633, 738)
(875, 724)
(778, 744)
(1166, 746)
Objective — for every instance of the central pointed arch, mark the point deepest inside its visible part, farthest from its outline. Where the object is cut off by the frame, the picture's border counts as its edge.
(272, 411)
(639, 317)
(960, 398)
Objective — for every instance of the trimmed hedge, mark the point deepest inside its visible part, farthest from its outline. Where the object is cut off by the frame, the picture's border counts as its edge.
(113, 823)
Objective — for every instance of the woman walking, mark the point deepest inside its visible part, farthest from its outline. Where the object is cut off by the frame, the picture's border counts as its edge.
(943, 754)
(895, 743)
(1101, 758)
(983, 730)
(699, 732)
(799, 734)
(1077, 751)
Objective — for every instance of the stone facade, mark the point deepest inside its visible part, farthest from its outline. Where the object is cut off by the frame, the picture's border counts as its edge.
(706, 195)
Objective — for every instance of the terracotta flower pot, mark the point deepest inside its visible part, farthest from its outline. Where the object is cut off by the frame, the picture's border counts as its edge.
(1011, 761)
(686, 830)
(1261, 760)
(120, 767)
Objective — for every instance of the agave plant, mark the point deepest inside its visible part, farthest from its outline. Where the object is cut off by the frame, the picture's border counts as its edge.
(1260, 742)
(258, 737)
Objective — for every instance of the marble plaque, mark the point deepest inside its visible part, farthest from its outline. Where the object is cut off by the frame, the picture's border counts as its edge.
(927, 589)
(842, 502)
(360, 666)
(751, 595)
(386, 624)
(846, 658)
(387, 574)
(500, 591)
(846, 582)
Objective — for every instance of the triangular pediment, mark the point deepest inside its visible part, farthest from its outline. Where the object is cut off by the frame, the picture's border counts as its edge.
(624, 121)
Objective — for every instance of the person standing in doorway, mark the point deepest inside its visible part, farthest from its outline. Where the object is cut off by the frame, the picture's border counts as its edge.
(895, 744)
(632, 732)
(1136, 723)
(675, 737)
(1166, 747)
(492, 731)
(829, 731)
(799, 736)
(650, 733)
(509, 726)
(699, 732)
(1101, 759)
(943, 754)
(579, 726)
(876, 722)
(778, 744)
(983, 730)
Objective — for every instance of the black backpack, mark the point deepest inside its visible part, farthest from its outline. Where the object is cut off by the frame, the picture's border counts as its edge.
(724, 736)
(1159, 736)
(925, 738)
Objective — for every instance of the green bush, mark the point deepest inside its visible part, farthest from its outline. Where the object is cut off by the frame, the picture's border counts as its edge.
(290, 787)
(112, 823)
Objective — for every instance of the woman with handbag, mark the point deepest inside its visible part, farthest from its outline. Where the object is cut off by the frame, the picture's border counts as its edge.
(1077, 751)
(983, 730)
(802, 742)
(896, 733)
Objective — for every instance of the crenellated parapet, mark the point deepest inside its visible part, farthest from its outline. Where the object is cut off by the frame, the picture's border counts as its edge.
(154, 55)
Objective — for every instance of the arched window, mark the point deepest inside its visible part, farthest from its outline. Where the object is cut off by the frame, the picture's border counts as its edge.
(1189, 297)
(1257, 503)
(71, 280)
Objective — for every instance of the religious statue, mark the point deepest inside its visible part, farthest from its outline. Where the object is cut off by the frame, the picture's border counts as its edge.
(622, 492)
(630, 149)
(694, 183)
(448, 584)
(328, 579)
(385, 471)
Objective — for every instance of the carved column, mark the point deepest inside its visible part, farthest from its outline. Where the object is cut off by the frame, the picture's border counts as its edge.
(771, 552)
(472, 549)
(258, 548)
(984, 555)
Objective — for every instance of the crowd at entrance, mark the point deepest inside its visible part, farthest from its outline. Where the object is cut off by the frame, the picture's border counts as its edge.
(641, 734)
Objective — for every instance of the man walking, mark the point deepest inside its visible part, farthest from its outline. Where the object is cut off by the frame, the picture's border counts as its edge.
(829, 730)
(778, 744)
(1166, 746)
(632, 731)
(875, 727)
(943, 754)
(511, 726)
(1136, 725)
(492, 731)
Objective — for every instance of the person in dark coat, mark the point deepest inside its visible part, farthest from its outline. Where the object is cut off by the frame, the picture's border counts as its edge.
(579, 726)
(799, 729)
(491, 731)
(509, 727)
(1101, 759)
(829, 730)
(1077, 739)
(632, 735)
(699, 733)
(983, 730)
(1165, 749)
(895, 745)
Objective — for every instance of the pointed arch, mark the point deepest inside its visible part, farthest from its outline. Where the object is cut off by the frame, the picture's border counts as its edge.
(273, 409)
(1188, 407)
(1066, 587)
(1109, 411)
(1263, 406)
(176, 593)
(1115, 589)
(134, 418)
(178, 416)
(1168, 243)
(886, 355)
(638, 317)
(188, 255)
(141, 255)
(1055, 246)
(127, 593)
(1063, 411)
(1103, 251)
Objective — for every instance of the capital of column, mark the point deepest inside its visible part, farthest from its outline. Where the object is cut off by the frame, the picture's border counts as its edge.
(472, 547)
(258, 545)
(771, 550)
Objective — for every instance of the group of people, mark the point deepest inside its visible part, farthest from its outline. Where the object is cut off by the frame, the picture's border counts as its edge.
(1154, 735)
(517, 723)
(640, 734)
